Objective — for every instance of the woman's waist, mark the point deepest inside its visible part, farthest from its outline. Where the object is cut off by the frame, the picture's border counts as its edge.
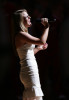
(27, 58)
(26, 54)
(28, 64)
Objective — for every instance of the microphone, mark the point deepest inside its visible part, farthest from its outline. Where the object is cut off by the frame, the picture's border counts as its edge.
(49, 20)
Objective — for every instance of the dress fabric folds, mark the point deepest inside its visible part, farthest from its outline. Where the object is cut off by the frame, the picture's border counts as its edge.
(29, 73)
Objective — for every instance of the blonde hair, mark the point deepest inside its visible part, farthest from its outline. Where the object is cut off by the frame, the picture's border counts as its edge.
(21, 19)
(16, 26)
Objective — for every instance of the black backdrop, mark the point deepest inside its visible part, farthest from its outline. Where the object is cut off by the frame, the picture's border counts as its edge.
(53, 62)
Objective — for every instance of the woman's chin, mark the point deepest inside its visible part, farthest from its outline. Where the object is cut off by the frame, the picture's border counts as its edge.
(30, 24)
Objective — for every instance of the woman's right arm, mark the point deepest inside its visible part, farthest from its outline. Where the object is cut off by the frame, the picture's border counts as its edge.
(25, 37)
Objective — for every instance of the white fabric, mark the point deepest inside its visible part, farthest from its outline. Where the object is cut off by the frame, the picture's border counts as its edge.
(33, 98)
(29, 74)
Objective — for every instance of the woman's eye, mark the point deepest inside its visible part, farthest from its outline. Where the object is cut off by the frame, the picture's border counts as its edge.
(25, 16)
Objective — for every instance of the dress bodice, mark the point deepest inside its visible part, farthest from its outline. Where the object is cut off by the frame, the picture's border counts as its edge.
(26, 51)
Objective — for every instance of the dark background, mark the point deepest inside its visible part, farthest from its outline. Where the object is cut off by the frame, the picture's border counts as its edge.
(53, 62)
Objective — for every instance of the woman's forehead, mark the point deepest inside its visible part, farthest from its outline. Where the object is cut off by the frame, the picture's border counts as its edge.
(24, 13)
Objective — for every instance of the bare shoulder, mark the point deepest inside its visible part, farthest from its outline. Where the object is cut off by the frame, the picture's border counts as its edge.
(19, 40)
(20, 36)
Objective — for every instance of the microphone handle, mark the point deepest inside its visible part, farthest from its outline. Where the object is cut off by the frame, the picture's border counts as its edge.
(49, 20)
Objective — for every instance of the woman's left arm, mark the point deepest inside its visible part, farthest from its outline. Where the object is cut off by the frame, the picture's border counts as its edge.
(36, 50)
(40, 47)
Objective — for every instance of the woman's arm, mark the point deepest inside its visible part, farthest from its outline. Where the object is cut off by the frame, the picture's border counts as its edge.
(40, 47)
(45, 35)
(36, 50)
(24, 37)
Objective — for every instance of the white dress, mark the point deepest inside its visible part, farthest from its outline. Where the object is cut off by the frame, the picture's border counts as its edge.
(29, 74)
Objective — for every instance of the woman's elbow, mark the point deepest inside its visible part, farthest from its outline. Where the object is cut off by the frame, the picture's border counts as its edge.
(43, 42)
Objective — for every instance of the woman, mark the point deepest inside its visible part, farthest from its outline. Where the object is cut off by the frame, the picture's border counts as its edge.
(25, 46)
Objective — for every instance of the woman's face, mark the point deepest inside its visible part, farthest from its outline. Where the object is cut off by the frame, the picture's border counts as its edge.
(26, 21)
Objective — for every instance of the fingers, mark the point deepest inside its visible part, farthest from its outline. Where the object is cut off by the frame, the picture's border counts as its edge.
(44, 21)
(40, 47)
(45, 46)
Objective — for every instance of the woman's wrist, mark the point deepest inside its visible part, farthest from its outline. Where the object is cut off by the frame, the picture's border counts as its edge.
(40, 47)
(46, 26)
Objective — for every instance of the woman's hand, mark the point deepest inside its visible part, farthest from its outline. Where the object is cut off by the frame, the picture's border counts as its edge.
(44, 21)
(42, 47)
